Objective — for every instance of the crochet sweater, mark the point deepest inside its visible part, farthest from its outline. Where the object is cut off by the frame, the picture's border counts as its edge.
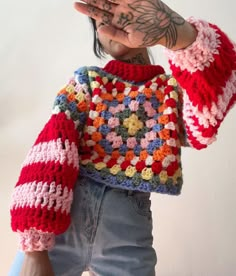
(123, 125)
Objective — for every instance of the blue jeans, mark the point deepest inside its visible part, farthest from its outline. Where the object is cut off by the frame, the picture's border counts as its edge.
(110, 234)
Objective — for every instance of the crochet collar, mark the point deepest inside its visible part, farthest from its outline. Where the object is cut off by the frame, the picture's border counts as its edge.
(133, 72)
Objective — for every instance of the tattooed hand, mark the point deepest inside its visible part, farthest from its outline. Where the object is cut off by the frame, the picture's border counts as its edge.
(139, 23)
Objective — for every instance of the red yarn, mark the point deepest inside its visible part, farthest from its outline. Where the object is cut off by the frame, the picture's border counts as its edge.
(38, 217)
(140, 166)
(50, 173)
(58, 127)
(111, 163)
(156, 167)
(203, 87)
(133, 72)
(124, 165)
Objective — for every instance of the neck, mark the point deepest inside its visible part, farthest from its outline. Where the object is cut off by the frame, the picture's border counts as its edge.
(136, 56)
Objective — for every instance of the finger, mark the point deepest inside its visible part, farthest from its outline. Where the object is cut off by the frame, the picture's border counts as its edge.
(114, 1)
(115, 34)
(94, 12)
(103, 5)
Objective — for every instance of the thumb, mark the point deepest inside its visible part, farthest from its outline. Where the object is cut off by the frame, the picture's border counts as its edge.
(114, 34)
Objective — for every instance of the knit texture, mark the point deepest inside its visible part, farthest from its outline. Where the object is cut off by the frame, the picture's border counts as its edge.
(206, 73)
(131, 139)
(124, 125)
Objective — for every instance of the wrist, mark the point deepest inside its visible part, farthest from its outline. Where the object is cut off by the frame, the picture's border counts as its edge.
(186, 36)
(37, 254)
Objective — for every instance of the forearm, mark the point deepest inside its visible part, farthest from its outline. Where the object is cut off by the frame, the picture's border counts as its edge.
(186, 35)
(37, 254)
(37, 263)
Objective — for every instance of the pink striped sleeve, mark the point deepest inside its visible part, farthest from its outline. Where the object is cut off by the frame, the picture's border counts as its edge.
(206, 72)
(42, 197)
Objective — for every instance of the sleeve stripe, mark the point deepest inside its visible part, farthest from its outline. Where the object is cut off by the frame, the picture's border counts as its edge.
(57, 151)
(39, 194)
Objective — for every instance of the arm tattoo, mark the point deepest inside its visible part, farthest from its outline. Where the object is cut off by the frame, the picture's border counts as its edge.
(163, 20)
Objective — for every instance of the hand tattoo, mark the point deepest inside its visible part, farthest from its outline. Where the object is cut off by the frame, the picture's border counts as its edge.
(125, 19)
(106, 19)
(107, 6)
(163, 20)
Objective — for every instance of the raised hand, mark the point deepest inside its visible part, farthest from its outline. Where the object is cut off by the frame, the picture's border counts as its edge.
(138, 24)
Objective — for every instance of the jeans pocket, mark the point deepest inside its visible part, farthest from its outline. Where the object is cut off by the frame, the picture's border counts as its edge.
(141, 203)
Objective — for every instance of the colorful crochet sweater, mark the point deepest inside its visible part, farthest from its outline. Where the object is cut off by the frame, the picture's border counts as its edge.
(123, 125)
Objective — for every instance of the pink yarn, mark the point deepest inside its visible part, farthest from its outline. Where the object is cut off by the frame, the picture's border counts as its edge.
(36, 240)
(133, 105)
(53, 150)
(198, 55)
(131, 142)
(113, 122)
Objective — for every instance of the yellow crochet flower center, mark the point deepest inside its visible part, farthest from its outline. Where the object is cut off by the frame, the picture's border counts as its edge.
(100, 166)
(147, 173)
(115, 169)
(163, 176)
(70, 88)
(105, 80)
(95, 84)
(176, 175)
(172, 82)
(174, 95)
(80, 96)
(93, 74)
(130, 171)
(133, 124)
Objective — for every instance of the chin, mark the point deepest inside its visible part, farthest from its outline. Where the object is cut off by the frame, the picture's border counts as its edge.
(119, 50)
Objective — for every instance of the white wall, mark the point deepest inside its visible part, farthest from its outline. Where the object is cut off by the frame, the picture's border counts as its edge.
(41, 44)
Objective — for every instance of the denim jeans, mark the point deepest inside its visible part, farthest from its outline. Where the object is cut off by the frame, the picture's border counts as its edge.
(110, 234)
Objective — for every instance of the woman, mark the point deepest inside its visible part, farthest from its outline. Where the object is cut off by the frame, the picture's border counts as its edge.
(115, 136)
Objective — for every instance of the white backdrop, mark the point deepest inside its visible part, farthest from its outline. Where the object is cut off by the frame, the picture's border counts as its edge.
(41, 44)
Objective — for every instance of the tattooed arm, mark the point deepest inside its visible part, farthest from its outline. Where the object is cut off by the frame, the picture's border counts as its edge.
(136, 23)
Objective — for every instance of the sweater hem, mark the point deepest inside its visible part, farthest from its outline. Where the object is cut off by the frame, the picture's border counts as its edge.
(127, 183)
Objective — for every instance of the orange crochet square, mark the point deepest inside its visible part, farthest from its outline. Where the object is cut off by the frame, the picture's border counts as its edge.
(164, 134)
(133, 94)
(98, 121)
(147, 92)
(129, 155)
(106, 96)
(115, 154)
(143, 155)
(164, 119)
(166, 149)
(120, 97)
(160, 96)
(161, 108)
(158, 155)
(99, 150)
(82, 106)
(100, 107)
(71, 97)
(96, 136)
(62, 91)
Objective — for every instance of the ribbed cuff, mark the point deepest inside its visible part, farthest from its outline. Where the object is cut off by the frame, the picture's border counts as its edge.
(200, 53)
(35, 240)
